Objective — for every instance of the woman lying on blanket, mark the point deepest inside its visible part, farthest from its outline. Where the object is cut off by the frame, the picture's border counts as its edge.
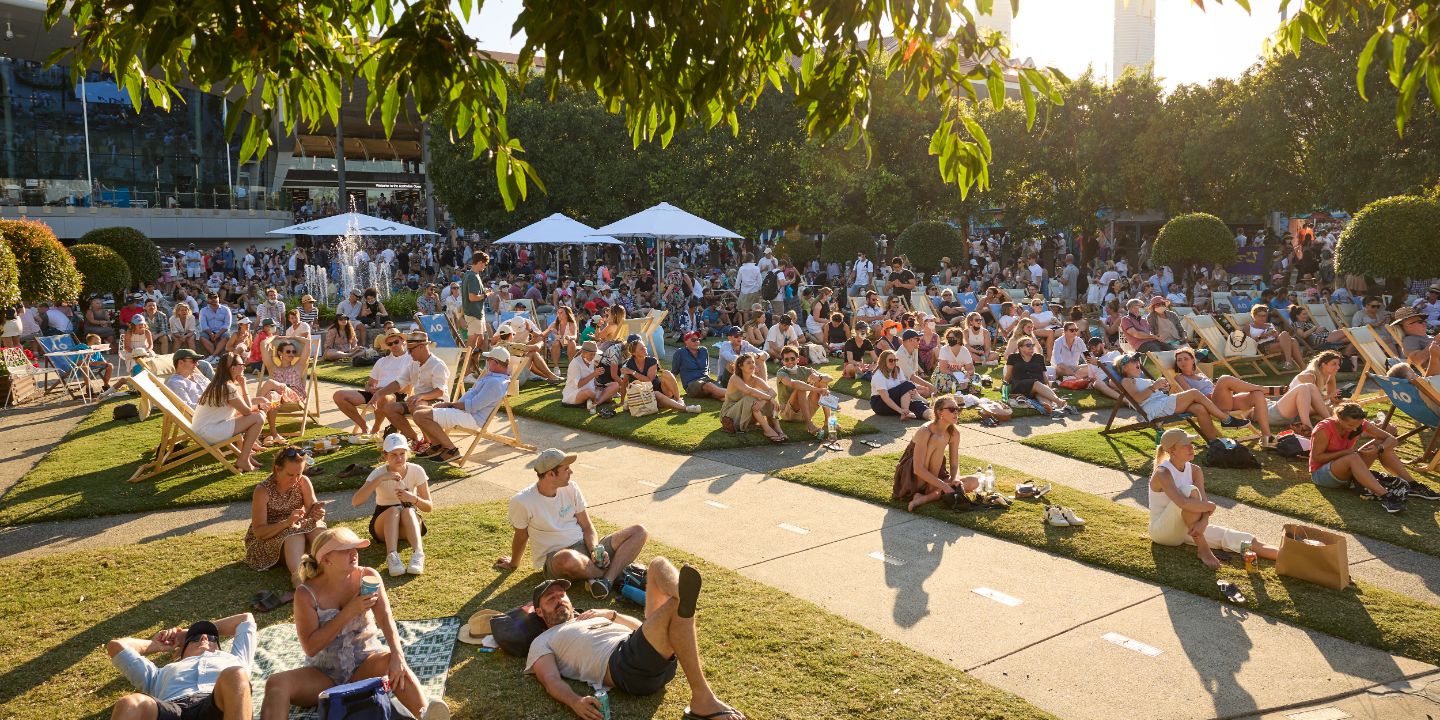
(1301, 405)
(1157, 402)
(1179, 511)
(339, 619)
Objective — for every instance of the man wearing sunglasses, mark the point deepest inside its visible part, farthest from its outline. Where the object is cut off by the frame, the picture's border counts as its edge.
(200, 683)
(800, 389)
(1418, 348)
(386, 382)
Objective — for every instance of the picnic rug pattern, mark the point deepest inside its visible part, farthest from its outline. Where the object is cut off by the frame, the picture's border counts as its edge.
(428, 646)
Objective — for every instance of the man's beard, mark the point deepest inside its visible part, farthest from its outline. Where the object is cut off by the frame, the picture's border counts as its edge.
(559, 616)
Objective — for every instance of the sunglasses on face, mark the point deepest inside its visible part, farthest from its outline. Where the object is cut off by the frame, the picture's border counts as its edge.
(948, 408)
(395, 343)
(1026, 344)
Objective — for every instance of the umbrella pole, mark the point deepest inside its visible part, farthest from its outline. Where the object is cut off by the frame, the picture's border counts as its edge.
(660, 272)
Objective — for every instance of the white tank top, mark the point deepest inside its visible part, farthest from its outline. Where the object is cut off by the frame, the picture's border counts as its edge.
(1184, 483)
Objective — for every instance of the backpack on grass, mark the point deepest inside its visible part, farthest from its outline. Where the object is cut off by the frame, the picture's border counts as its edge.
(1226, 453)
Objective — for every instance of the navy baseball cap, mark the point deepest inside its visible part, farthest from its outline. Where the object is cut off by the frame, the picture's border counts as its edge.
(733, 330)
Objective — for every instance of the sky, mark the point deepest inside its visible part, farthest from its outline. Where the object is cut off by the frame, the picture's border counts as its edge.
(1191, 45)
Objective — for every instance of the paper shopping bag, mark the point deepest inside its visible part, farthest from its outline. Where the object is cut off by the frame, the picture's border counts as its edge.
(1313, 554)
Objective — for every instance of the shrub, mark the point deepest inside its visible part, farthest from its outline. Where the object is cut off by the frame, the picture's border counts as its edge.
(1194, 239)
(139, 252)
(842, 243)
(401, 305)
(46, 269)
(9, 277)
(927, 241)
(1394, 238)
(102, 269)
(797, 247)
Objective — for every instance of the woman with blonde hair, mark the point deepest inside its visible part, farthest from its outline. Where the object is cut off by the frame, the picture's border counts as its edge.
(1230, 393)
(224, 410)
(1022, 330)
(1320, 372)
(1179, 511)
(977, 338)
(749, 401)
(341, 609)
(284, 518)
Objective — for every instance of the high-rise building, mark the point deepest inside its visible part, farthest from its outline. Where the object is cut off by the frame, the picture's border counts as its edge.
(1134, 44)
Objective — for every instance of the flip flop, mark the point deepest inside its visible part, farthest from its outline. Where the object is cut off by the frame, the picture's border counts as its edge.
(728, 713)
(267, 601)
(871, 443)
(1230, 592)
(689, 591)
(354, 469)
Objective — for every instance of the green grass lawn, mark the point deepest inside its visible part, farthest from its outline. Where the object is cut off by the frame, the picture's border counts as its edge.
(1115, 538)
(768, 653)
(86, 474)
(1281, 486)
(342, 374)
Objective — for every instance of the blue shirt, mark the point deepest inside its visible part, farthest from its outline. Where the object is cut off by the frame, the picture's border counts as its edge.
(190, 676)
(690, 367)
(216, 320)
(485, 395)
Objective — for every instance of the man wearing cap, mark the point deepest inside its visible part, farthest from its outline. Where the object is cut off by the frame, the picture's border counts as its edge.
(428, 378)
(473, 295)
(200, 683)
(516, 335)
(1418, 348)
(581, 387)
(909, 356)
(735, 346)
(187, 382)
(784, 332)
(387, 378)
(1137, 331)
(470, 411)
(603, 648)
(550, 515)
(214, 326)
(691, 364)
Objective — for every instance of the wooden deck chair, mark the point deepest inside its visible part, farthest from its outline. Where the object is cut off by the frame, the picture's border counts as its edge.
(1220, 301)
(655, 321)
(484, 433)
(1376, 355)
(1213, 338)
(177, 429)
(1182, 311)
(1418, 399)
(1343, 314)
(1145, 422)
(162, 367)
(1241, 322)
(23, 387)
(1320, 313)
(635, 326)
(309, 409)
(457, 359)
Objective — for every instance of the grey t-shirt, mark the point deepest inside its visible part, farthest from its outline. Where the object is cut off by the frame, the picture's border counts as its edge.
(582, 648)
(1414, 343)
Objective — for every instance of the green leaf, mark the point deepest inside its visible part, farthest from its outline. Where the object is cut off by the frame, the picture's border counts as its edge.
(1028, 96)
(1363, 65)
(1399, 42)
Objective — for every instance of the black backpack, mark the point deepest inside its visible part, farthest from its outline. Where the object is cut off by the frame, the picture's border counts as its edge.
(770, 286)
(1289, 446)
(1226, 453)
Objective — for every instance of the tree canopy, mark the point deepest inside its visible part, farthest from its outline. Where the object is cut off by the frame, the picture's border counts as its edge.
(102, 270)
(1392, 238)
(1194, 238)
(140, 253)
(47, 271)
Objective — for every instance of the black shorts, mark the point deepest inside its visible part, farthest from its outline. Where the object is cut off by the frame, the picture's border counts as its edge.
(189, 707)
(382, 508)
(1023, 387)
(637, 669)
(399, 397)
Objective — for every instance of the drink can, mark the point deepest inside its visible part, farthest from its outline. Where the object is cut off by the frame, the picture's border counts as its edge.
(601, 557)
(604, 698)
(369, 586)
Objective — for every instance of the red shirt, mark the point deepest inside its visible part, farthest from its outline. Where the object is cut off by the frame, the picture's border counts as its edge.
(1335, 441)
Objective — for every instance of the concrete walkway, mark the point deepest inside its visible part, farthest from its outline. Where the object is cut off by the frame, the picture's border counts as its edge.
(1078, 641)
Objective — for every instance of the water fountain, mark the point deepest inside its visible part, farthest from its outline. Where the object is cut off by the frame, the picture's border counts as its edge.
(317, 283)
(354, 275)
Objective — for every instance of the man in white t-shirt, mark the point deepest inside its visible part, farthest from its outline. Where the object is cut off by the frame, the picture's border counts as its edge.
(387, 379)
(909, 356)
(428, 378)
(551, 516)
(861, 274)
(783, 332)
(768, 262)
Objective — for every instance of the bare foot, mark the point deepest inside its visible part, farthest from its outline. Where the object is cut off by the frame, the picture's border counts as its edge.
(1208, 558)
(247, 466)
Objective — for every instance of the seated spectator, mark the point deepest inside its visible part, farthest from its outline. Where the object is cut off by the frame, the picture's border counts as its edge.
(1372, 314)
(952, 311)
(1312, 334)
(871, 311)
(159, 325)
(735, 346)
(402, 492)
(857, 356)
(261, 345)
(201, 681)
(470, 411)
(552, 517)
(1271, 339)
(1157, 402)
(1230, 393)
(382, 335)
(1067, 355)
(642, 368)
(342, 342)
(1337, 462)
(372, 311)
(755, 330)
(1043, 318)
(98, 320)
(522, 340)
(584, 379)
(285, 362)
(1137, 330)
(954, 366)
(428, 378)
(183, 326)
(930, 457)
(835, 333)
(285, 517)
(1179, 511)
(892, 393)
(187, 382)
(784, 333)
(1321, 372)
(818, 317)
(214, 334)
(1023, 329)
(1418, 348)
(98, 364)
(1025, 374)
(561, 333)
(749, 401)
(386, 382)
(339, 621)
(799, 390)
(294, 326)
(603, 647)
(1165, 323)
(908, 353)
(977, 339)
(691, 364)
(225, 410)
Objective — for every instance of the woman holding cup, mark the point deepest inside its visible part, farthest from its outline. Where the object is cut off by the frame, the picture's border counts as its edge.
(285, 517)
(340, 612)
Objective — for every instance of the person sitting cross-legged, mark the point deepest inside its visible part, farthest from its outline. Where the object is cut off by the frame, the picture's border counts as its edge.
(798, 390)
(551, 516)
(201, 682)
(607, 649)
(470, 411)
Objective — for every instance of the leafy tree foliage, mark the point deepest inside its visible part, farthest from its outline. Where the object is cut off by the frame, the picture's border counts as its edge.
(1194, 239)
(1392, 237)
(927, 241)
(47, 271)
(842, 243)
(9, 277)
(102, 270)
(139, 252)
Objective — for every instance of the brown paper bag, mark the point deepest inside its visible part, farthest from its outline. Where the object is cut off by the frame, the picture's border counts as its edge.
(1313, 554)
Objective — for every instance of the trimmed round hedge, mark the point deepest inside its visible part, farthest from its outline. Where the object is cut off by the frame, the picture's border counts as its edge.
(844, 242)
(796, 247)
(927, 241)
(101, 269)
(140, 253)
(1395, 237)
(46, 269)
(1194, 238)
(9, 277)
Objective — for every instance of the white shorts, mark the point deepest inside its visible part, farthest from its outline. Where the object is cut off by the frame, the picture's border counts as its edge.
(449, 418)
(474, 326)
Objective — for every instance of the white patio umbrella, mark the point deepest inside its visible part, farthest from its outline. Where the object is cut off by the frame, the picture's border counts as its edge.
(665, 222)
(351, 222)
(557, 230)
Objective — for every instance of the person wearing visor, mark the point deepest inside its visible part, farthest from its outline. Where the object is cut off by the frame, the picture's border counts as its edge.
(202, 682)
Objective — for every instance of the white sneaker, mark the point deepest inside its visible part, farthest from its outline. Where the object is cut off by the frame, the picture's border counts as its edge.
(397, 567)
(436, 710)
(417, 563)
(1055, 516)
(692, 408)
(1071, 517)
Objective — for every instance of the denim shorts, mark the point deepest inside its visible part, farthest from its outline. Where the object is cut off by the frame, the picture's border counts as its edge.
(1325, 477)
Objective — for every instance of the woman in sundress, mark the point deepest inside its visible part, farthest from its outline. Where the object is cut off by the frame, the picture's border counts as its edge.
(284, 518)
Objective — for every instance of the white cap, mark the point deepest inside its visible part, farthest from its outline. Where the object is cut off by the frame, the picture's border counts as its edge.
(498, 353)
(396, 441)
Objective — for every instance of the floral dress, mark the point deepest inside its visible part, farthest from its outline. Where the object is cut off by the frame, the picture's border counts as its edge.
(264, 554)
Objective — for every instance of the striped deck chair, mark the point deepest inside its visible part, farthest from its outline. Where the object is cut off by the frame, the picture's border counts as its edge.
(1145, 422)
(1241, 322)
(1320, 313)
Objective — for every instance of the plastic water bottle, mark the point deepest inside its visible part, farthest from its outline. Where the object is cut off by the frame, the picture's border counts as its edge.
(989, 478)
(633, 594)
(832, 428)
(1005, 392)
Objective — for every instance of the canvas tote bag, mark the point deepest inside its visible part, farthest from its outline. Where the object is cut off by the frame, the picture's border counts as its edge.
(1310, 553)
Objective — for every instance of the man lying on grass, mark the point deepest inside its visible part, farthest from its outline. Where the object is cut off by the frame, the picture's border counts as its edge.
(201, 683)
(607, 649)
